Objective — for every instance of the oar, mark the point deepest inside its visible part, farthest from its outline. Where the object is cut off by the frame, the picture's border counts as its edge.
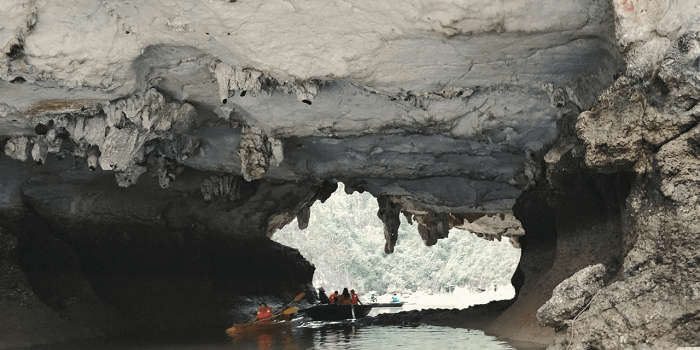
(288, 310)
(298, 298)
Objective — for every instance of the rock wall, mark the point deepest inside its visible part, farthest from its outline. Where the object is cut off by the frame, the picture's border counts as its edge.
(83, 258)
(643, 130)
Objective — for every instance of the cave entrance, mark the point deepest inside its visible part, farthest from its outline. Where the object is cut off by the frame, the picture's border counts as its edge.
(345, 240)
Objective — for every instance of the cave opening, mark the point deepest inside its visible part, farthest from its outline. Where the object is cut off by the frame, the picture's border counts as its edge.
(344, 240)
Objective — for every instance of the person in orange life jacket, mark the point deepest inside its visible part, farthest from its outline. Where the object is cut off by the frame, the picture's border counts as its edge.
(333, 298)
(264, 312)
(355, 298)
(344, 299)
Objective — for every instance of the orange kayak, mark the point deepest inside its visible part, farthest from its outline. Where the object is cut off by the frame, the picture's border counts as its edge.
(242, 329)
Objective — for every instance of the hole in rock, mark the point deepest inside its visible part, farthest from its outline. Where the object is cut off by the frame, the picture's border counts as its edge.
(16, 51)
(308, 102)
(41, 129)
(345, 241)
(18, 80)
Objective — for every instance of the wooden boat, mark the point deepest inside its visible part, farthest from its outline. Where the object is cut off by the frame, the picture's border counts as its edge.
(399, 304)
(331, 312)
(243, 329)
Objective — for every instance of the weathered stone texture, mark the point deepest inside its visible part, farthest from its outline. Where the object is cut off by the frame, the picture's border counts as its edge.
(572, 296)
(577, 117)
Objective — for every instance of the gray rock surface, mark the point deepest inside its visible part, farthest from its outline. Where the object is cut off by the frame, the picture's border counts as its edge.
(317, 108)
(571, 296)
(646, 125)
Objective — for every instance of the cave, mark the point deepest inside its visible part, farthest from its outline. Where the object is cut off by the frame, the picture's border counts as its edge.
(456, 272)
(147, 166)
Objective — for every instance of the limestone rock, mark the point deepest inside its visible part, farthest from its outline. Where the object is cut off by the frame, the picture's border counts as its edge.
(654, 302)
(128, 176)
(24, 17)
(494, 227)
(17, 148)
(116, 140)
(258, 152)
(40, 150)
(389, 214)
(303, 218)
(226, 187)
(121, 149)
(613, 136)
(571, 296)
(432, 227)
(233, 81)
(679, 165)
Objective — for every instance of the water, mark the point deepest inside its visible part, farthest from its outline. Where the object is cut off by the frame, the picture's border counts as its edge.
(459, 298)
(315, 336)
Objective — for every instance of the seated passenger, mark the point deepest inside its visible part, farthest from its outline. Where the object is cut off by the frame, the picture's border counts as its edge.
(264, 312)
(355, 298)
(345, 298)
(333, 298)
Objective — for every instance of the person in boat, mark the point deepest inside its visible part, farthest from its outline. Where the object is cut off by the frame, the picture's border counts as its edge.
(345, 298)
(355, 299)
(322, 297)
(333, 298)
(373, 298)
(264, 312)
(394, 298)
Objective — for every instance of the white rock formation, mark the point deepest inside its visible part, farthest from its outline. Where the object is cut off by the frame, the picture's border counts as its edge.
(485, 78)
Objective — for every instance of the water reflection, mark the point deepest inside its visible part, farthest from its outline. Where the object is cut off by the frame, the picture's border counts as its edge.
(310, 336)
(348, 336)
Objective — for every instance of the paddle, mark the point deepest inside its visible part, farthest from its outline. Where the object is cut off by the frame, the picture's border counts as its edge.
(287, 311)
(298, 297)
(290, 310)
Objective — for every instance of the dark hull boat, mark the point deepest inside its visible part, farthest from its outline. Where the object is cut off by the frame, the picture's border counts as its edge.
(329, 312)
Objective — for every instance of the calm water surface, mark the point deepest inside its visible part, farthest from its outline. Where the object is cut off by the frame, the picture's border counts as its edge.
(316, 336)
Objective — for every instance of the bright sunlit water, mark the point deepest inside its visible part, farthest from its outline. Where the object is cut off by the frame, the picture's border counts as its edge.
(460, 297)
(321, 336)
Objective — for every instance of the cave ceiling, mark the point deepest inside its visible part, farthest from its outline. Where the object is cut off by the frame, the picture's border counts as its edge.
(442, 107)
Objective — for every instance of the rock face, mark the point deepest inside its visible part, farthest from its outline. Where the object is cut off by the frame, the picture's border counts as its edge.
(643, 126)
(571, 296)
(221, 122)
(654, 303)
